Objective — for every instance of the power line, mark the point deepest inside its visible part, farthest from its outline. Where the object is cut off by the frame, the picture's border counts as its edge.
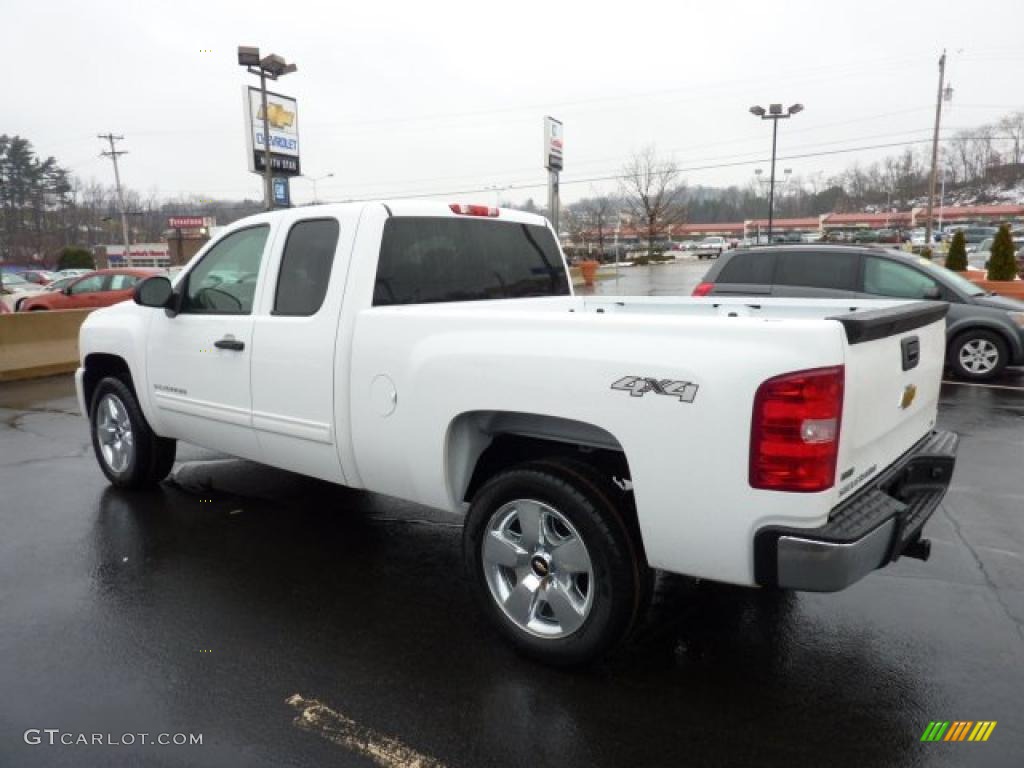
(618, 176)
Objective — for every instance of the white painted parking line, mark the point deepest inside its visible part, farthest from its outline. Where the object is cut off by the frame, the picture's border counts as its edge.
(385, 751)
(985, 386)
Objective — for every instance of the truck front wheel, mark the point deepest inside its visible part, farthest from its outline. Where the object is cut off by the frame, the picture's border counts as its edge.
(128, 452)
(552, 562)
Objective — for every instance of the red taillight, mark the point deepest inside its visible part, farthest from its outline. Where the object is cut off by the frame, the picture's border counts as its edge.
(794, 435)
(473, 210)
(703, 289)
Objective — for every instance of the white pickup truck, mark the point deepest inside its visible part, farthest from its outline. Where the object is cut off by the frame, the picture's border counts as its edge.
(436, 353)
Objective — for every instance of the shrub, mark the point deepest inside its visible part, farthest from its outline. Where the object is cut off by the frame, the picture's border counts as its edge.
(926, 252)
(641, 261)
(1002, 265)
(75, 258)
(956, 259)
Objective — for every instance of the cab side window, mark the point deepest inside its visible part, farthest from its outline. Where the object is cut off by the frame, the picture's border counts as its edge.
(306, 267)
(887, 278)
(224, 282)
(90, 284)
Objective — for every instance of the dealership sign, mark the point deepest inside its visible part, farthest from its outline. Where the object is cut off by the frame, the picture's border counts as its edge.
(283, 136)
(191, 222)
(553, 144)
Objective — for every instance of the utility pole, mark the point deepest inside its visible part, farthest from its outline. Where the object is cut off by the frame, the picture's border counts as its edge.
(935, 153)
(113, 155)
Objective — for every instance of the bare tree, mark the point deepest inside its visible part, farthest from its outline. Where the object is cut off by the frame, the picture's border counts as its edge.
(653, 193)
(1012, 126)
(598, 211)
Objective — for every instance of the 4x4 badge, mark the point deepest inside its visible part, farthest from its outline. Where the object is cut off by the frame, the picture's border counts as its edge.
(638, 386)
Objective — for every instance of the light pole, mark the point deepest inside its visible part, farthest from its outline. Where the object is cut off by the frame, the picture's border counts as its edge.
(945, 94)
(774, 113)
(315, 179)
(270, 66)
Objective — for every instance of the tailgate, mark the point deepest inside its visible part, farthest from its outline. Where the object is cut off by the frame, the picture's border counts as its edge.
(894, 361)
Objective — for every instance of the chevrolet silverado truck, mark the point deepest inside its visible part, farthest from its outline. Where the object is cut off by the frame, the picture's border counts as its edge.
(437, 353)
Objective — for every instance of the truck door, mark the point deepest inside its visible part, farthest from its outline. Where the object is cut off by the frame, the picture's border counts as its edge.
(198, 360)
(295, 330)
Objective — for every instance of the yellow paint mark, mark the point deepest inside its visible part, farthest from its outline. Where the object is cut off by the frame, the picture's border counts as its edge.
(384, 751)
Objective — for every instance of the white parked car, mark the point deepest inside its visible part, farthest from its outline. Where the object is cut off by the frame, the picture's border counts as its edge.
(711, 247)
(437, 353)
(14, 289)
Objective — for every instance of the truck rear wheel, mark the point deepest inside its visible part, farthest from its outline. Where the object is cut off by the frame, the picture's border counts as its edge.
(128, 452)
(553, 564)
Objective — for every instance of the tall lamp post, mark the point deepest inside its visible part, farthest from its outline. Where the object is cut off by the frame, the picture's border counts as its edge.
(270, 66)
(774, 113)
(315, 179)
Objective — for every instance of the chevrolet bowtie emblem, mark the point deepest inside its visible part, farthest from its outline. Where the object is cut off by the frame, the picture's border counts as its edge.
(909, 393)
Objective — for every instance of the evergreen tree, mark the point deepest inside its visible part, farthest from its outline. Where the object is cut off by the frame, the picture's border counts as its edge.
(956, 259)
(75, 258)
(1002, 265)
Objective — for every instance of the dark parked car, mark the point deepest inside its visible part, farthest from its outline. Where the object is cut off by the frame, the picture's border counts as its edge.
(865, 236)
(985, 332)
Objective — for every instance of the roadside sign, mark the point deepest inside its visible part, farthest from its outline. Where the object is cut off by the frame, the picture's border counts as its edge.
(282, 193)
(553, 143)
(283, 120)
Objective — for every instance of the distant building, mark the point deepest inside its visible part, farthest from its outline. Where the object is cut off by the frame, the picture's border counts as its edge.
(139, 255)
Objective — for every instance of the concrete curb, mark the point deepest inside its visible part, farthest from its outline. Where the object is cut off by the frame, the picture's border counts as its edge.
(34, 344)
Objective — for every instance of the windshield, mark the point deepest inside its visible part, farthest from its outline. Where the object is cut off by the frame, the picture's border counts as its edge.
(962, 284)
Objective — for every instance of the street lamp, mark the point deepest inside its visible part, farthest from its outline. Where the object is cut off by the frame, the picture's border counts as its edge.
(270, 66)
(315, 179)
(774, 113)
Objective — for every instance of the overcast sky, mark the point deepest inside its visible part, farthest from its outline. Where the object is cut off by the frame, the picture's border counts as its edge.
(403, 97)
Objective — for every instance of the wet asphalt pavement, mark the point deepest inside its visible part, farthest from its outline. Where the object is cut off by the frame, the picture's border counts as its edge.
(205, 606)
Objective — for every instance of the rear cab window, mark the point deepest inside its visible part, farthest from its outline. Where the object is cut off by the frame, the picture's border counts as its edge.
(439, 259)
(306, 267)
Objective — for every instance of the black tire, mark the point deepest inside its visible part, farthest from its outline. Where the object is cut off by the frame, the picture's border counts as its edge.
(621, 580)
(986, 340)
(150, 458)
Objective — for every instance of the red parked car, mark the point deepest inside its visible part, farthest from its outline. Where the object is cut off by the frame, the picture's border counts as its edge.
(96, 289)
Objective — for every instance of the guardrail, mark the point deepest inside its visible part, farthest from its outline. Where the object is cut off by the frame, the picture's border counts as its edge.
(34, 344)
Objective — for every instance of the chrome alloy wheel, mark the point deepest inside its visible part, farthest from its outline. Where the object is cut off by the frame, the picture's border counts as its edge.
(979, 356)
(538, 569)
(114, 430)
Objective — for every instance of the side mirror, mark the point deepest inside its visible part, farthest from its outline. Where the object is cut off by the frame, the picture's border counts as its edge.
(932, 294)
(66, 290)
(154, 291)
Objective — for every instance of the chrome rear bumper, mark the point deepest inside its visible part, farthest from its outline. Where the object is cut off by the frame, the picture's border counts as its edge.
(867, 531)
